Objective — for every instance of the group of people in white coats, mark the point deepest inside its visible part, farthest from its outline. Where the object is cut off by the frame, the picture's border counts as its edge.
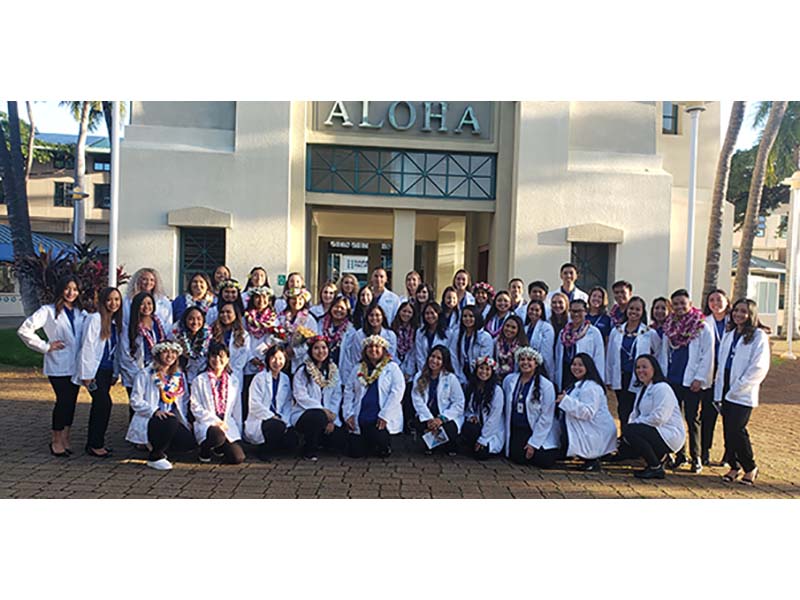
(482, 372)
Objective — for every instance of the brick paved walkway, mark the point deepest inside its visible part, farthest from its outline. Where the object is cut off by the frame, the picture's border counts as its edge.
(27, 470)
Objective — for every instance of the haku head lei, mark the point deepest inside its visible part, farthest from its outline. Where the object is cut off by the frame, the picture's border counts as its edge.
(229, 283)
(529, 352)
(484, 360)
(167, 345)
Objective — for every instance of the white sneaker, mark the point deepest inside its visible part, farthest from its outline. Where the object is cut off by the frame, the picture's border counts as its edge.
(161, 464)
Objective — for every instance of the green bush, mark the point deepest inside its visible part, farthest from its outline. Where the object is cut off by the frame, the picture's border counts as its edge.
(14, 352)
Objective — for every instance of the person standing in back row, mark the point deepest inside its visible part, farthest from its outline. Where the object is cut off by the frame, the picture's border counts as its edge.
(384, 297)
(569, 275)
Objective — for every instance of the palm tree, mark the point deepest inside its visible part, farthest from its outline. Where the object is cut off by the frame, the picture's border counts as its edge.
(31, 139)
(777, 109)
(711, 277)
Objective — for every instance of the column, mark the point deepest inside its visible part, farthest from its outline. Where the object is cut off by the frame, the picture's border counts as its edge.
(405, 225)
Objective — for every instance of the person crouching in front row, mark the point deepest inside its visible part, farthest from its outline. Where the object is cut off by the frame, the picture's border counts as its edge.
(482, 434)
(373, 400)
(215, 398)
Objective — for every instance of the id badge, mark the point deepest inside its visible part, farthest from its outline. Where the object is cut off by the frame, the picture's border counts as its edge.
(520, 408)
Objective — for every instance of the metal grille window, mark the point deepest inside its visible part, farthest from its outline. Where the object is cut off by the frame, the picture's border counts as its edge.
(669, 123)
(391, 172)
(102, 195)
(202, 250)
(592, 263)
(61, 195)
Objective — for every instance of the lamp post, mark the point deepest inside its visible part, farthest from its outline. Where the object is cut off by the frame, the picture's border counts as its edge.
(792, 257)
(694, 109)
(78, 211)
(114, 208)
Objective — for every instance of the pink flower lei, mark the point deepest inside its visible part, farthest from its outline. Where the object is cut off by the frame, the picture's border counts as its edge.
(260, 323)
(570, 336)
(505, 355)
(333, 333)
(682, 330)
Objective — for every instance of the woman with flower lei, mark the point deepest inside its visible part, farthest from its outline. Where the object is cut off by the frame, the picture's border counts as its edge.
(375, 323)
(404, 326)
(198, 294)
(193, 336)
(147, 279)
(228, 290)
(483, 434)
(260, 322)
(160, 407)
(469, 342)
(484, 297)
(318, 397)
(327, 294)
(373, 401)
(299, 323)
(687, 359)
(500, 311)
(144, 331)
(578, 335)
(214, 401)
(335, 325)
(510, 339)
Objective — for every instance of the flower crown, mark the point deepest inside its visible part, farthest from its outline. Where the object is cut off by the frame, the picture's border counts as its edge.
(229, 283)
(486, 287)
(484, 360)
(529, 352)
(317, 338)
(294, 292)
(167, 345)
(375, 340)
(261, 290)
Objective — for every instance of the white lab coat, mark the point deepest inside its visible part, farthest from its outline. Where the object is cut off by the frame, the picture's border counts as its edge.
(657, 407)
(591, 429)
(591, 343)
(748, 369)
(449, 396)
(643, 344)
(163, 311)
(577, 294)
(469, 300)
(261, 400)
(144, 403)
(308, 395)
(543, 340)
(352, 346)
(700, 365)
(712, 323)
(258, 348)
(389, 302)
(545, 432)
(92, 348)
(422, 348)
(202, 403)
(521, 310)
(391, 387)
(58, 363)
(409, 363)
(129, 365)
(481, 344)
(239, 356)
(493, 430)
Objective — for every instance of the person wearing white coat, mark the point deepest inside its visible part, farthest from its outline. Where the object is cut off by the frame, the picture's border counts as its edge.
(541, 335)
(717, 310)
(438, 399)
(160, 403)
(293, 318)
(144, 331)
(317, 391)
(383, 296)
(375, 323)
(532, 433)
(335, 325)
(405, 327)
(433, 332)
(655, 425)
(373, 401)
(147, 279)
(98, 365)
(215, 401)
(62, 323)
(468, 343)
(483, 432)
(229, 331)
(687, 360)
(626, 343)
(744, 362)
(590, 428)
(271, 403)
(578, 336)
(569, 275)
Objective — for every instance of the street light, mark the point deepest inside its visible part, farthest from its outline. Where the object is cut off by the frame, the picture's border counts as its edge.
(694, 109)
(79, 223)
(791, 259)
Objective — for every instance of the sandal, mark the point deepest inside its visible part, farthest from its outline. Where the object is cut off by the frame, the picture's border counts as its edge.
(750, 480)
(732, 475)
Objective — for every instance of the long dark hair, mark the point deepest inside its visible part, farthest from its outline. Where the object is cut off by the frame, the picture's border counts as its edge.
(538, 373)
(204, 277)
(493, 310)
(109, 320)
(215, 349)
(360, 311)
(707, 309)
(365, 327)
(324, 366)
(413, 321)
(643, 320)
(658, 374)
(218, 330)
(62, 285)
(133, 320)
(252, 306)
(752, 323)
(540, 304)
(521, 338)
(447, 366)
(481, 398)
(441, 328)
(591, 370)
(250, 277)
(462, 331)
(238, 305)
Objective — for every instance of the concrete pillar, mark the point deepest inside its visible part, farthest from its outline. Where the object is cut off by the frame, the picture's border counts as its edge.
(405, 226)
(374, 257)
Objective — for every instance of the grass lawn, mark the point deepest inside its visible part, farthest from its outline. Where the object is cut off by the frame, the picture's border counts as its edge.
(14, 352)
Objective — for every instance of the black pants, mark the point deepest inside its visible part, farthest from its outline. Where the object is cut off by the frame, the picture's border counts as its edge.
(130, 410)
(408, 409)
(470, 432)
(708, 420)
(738, 451)
(690, 402)
(371, 440)
(66, 398)
(312, 424)
(542, 458)
(625, 400)
(277, 437)
(100, 412)
(450, 429)
(645, 441)
(168, 434)
(248, 379)
(216, 440)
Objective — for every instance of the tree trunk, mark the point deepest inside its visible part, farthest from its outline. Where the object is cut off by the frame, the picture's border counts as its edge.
(108, 109)
(80, 173)
(776, 113)
(711, 277)
(31, 139)
(12, 166)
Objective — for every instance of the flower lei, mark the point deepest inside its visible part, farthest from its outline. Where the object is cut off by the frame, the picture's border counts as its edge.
(405, 341)
(319, 379)
(617, 315)
(170, 388)
(367, 379)
(219, 391)
(505, 355)
(682, 330)
(152, 336)
(193, 348)
(203, 304)
(261, 323)
(570, 336)
(332, 332)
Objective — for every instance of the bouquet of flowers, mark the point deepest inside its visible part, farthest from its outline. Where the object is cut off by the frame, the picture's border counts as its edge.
(301, 334)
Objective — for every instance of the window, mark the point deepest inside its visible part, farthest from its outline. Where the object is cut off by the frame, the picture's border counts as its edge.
(62, 160)
(781, 290)
(102, 195)
(387, 172)
(592, 263)
(669, 122)
(102, 163)
(767, 297)
(202, 250)
(62, 196)
(761, 226)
